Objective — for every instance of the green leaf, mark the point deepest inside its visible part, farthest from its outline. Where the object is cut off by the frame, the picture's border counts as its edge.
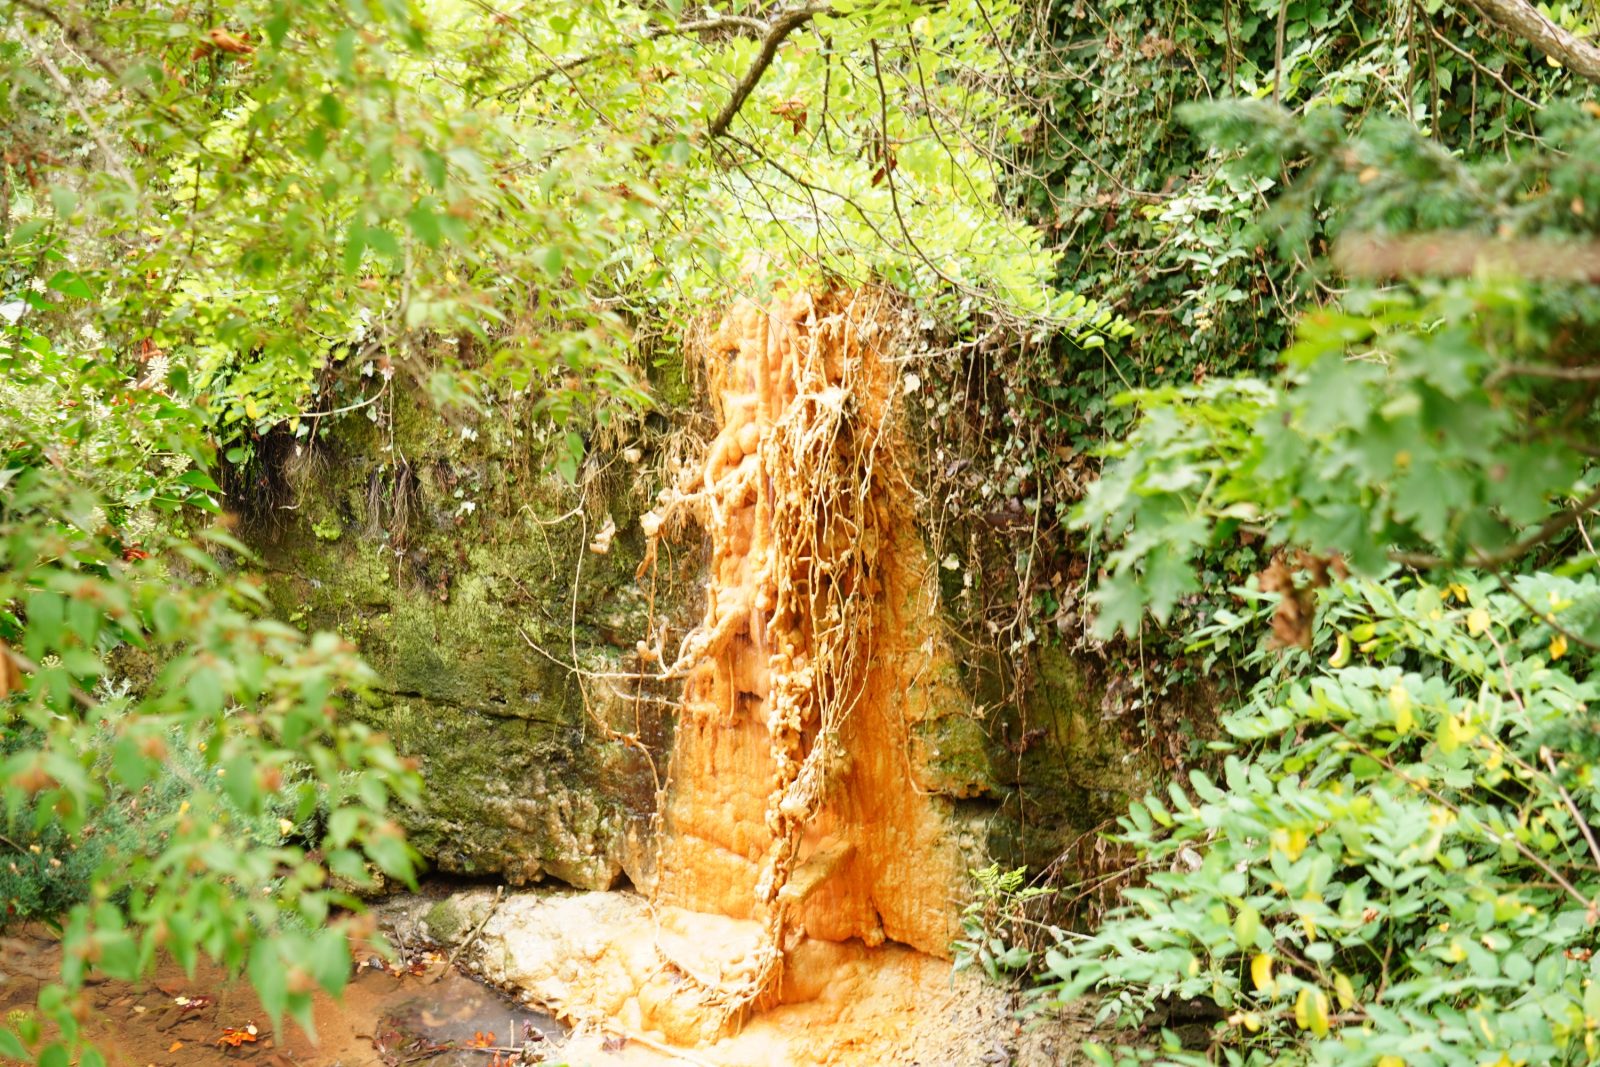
(71, 283)
(1121, 605)
(200, 479)
(11, 1046)
(330, 960)
(269, 977)
(204, 690)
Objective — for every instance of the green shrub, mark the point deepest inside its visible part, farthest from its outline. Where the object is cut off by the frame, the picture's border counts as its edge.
(1405, 871)
(48, 870)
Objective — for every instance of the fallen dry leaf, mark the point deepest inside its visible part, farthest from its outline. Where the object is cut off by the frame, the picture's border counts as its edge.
(233, 44)
(235, 1037)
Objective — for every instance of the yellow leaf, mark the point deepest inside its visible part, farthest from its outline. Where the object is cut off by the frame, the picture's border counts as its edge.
(1311, 1011)
(1391, 1061)
(1319, 1013)
(1558, 646)
(1400, 704)
(1449, 737)
(1246, 926)
(1290, 842)
(1477, 622)
(1344, 991)
(1457, 590)
(1341, 655)
(1261, 973)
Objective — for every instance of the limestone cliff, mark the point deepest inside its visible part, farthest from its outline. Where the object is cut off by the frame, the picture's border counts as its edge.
(484, 588)
(468, 574)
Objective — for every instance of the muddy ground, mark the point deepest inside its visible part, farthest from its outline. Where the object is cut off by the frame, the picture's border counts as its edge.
(425, 1012)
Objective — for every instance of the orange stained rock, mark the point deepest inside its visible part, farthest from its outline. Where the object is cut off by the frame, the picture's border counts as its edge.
(796, 800)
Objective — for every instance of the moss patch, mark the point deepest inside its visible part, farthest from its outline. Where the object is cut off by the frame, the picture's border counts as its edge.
(453, 570)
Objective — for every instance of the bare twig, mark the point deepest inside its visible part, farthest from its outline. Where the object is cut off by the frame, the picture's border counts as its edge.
(499, 894)
(1535, 370)
(1583, 823)
(1546, 617)
(1550, 528)
(1277, 63)
(708, 25)
(1493, 75)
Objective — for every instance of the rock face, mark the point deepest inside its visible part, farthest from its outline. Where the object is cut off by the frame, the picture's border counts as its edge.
(798, 797)
(464, 571)
(484, 589)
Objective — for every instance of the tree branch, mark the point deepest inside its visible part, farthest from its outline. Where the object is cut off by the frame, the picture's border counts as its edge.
(780, 27)
(1448, 253)
(1534, 370)
(1555, 524)
(707, 25)
(1522, 19)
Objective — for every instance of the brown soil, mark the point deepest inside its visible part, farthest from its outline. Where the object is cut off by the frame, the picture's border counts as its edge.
(382, 1019)
(385, 1019)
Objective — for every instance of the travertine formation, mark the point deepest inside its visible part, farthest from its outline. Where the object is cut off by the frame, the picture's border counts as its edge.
(594, 960)
(797, 799)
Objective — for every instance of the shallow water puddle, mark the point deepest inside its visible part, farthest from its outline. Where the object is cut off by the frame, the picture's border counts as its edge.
(458, 1021)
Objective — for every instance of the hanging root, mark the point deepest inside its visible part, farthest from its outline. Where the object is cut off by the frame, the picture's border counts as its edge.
(787, 494)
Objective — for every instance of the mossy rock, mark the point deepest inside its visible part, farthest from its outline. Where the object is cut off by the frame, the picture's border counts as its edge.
(453, 571)
(444, 922)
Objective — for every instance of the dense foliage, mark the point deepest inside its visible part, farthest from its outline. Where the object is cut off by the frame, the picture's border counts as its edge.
(245, 220)
(176, 777)
(1396, 861)
(236, 222)
(1390, 857)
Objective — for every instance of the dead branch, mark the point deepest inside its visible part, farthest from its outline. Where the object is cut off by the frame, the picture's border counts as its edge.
(1459, 254)
(1522, 19)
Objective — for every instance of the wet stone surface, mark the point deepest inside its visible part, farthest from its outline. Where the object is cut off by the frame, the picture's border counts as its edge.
(458, 1021)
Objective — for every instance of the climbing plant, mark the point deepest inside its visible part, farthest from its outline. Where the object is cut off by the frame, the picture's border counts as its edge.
(1213, 251)
(1363, 878)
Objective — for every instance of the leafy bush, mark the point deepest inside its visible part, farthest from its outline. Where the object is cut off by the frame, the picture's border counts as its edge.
(1398, 864)
(50, 871)
(996, 931)
(1436, 425)
(185, 755)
